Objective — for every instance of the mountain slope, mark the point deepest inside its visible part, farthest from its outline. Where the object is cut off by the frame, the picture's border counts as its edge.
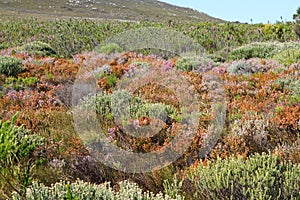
(135, 10)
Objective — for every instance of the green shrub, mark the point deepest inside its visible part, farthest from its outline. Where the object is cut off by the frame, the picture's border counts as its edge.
(110, 48)
(16, 145)
(195, 63)
(259, 177)
(10, 66)
(3, 46)
(288, 57)
(261, 50)
(254, 50)
(122, 104)
(38, 48)
(20, 83)
(81, 190)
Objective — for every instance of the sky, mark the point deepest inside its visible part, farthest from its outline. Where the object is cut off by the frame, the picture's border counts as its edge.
(250, 11)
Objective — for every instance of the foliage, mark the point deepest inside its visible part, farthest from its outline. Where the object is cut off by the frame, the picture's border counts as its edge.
(252, 66)
(38, 48)
(262, 115)
(83, 190)
(288, 57)
(195, 63)
(109, 48)
(20, 83)
(70, 37)
(122, 103)
(16, 145)
(261, 50)
(277, 31)
(259, 177)
(296, 17)
(10, 66)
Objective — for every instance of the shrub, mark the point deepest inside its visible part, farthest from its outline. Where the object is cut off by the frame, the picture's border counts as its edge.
(288, 57)
(38, 48)
(255, 132)
(297, 28)
(296, 17)
(20, 83)
(259, 177)
(293, 86)
(83, 190)
(110, 48)
(251, 66)
(195, 63)
(10, 66)
(121, 103)
(15, 146)
(261, 50)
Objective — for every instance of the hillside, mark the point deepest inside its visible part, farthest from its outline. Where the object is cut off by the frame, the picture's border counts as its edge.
(132, 10)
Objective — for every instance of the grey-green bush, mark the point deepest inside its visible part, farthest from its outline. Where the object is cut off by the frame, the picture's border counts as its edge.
(259, 177)
(195, 63)
(82, 190)
(10, 66)
(252, 66)
(261, 50)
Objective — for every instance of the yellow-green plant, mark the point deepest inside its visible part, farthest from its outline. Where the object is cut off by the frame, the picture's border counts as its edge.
(10, 66)
(259, 177)
(288, 57)
(16, 145)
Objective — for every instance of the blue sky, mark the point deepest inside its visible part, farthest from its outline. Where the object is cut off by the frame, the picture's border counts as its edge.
(260, 11)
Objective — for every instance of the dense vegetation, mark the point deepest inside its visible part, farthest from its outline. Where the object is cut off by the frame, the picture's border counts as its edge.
(69, 37)
(42, 155)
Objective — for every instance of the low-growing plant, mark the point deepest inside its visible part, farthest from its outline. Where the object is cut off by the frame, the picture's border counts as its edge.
(109, 48)
(121, 103)
(261, 50)
(262, 176)
(16, 145)
(252, 66)
(20, 83)
(38, 48)
(195, 63)
(10, 66)
(83, 190)
(288, 57)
